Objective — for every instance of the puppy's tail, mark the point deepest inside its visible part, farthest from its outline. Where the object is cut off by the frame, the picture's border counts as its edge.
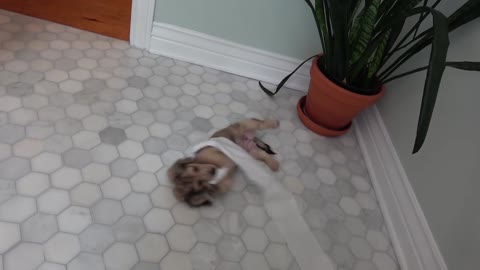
(264, 146)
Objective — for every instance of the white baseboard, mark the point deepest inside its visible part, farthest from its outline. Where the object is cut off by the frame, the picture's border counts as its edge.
(213, 52)
(141, 21)
(412, 239)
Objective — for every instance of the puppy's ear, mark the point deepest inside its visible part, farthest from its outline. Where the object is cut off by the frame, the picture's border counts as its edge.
(198, 198)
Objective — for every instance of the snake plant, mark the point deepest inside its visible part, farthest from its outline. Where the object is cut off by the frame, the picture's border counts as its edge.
(366, 41)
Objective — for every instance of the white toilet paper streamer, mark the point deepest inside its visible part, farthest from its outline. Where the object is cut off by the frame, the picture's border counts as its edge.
(280, 205)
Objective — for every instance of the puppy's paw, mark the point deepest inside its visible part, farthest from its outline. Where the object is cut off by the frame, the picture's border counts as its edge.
(274, 165)
(273, 123)
(277, 123)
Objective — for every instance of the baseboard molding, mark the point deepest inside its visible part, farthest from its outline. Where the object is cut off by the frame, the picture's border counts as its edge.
(213, 52)
(141, 21)
(412, 239)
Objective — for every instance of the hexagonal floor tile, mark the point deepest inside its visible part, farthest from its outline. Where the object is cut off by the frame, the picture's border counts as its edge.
(181, 238)
(231, 248)
(255, 216)
(152, 247)
(10, 235)
(96, 173)
(116, 188)
(46, 162)
(53, 201)
(74, 219)
(112, 135)
(120, 256)
(232, 222)
(96, 238)
(17, 209)
(25, 256)
(143, 182)
(158, 220)
(61, 248)
(163, 197)
(278, 256)
(77, 158)
(104, 153)
(176, 260)
(33, 184)
(39, 228)
(136, 204)
(86, 261)
(107, 211)
(184, 214)
(255, 239)
(254, 261)
(86, 194)
(66, 178)
(14, 168)
(128, 229)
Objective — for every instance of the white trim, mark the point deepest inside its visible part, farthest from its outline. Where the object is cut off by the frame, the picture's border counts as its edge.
(412, 239)
(141, 22)
(213, 52)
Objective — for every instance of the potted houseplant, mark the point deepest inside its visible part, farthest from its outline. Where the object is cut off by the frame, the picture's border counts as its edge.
(364, 43)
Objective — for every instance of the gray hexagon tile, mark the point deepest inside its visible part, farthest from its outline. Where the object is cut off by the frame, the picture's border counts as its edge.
(10, 233)
(152, 248)
(24, 256)
(88, 128)
(39, 228)
(61, 248)
(129, 229)
(86, 261)
(96, 238)
(120, 256)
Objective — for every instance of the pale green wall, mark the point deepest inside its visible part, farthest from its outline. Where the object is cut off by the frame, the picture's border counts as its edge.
(445, 175)
(285, 27)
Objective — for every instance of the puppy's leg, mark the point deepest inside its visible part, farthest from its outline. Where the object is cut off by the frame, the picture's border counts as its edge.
(271, 162)
(240, 128)
(256, 124)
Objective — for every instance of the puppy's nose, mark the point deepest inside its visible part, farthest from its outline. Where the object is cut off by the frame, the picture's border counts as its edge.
(213, 171)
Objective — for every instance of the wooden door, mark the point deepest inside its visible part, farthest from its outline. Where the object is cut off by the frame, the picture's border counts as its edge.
(106, 17)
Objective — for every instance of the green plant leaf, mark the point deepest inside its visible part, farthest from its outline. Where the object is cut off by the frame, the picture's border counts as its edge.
(396, 30)
(320, 19)
(377, 58)
(420, 18)
(413, 30)
(399, 10)
(464, 14)
(386, 6)
(367, 22)
(464, 65)
(355, 71)
(435, 70)
(414, 49)
(339, 21)
(355, 28)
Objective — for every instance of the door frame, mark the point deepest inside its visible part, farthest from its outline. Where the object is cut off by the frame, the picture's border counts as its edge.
(141, 22)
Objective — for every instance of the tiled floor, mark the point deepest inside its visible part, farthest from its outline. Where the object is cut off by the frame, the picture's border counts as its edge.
(88, 126)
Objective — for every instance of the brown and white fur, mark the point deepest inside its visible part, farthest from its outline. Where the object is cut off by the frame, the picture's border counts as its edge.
(191, 176)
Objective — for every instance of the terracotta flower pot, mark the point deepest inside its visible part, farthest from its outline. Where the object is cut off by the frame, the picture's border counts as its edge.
(328, 109)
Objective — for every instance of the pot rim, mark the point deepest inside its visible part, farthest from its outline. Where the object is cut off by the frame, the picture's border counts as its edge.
(314, 126)
(345, 93)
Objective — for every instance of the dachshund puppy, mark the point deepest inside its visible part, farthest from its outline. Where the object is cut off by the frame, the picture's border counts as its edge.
(197, 179)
